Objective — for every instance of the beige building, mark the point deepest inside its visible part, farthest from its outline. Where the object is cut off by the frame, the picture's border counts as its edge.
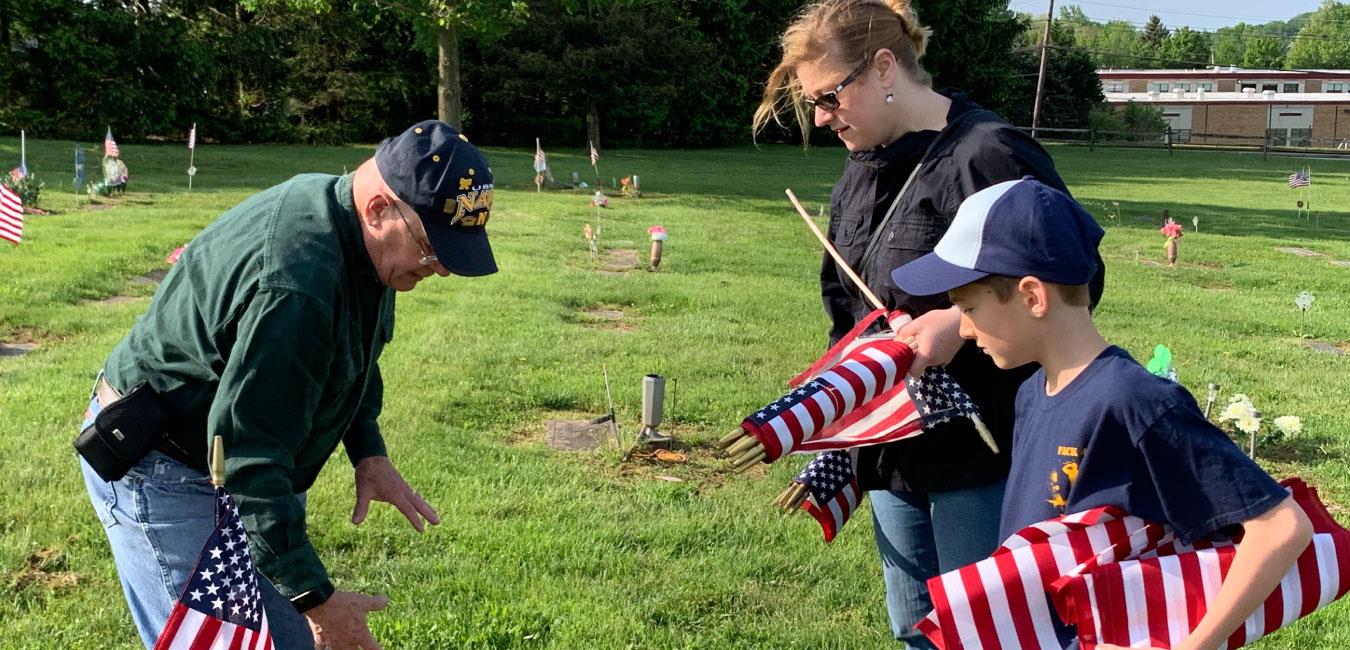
(1290, 108)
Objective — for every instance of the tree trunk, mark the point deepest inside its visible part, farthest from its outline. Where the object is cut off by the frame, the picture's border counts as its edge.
(447, 86)
(592, 125)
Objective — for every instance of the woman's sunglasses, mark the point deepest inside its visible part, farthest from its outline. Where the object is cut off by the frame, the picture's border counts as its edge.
(830, 101)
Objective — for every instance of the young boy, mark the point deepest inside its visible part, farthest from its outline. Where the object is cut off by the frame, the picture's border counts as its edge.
(1093, 427)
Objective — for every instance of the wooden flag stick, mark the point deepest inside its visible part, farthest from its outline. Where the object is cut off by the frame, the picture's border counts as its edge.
(730, 438)
(218, 461)
(838, 259)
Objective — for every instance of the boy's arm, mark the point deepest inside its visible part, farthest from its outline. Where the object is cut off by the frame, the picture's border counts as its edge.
(1271, 543)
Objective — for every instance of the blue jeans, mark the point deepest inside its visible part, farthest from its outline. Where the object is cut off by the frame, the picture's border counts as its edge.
(923, 534)
(157, 519)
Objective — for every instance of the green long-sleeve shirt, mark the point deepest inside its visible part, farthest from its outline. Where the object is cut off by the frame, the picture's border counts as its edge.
(267, 332)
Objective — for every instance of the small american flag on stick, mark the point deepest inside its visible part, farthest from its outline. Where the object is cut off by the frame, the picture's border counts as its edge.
(540, 162)
(1299, 178)
(11, 215)
(192, 137)
(110, 146)
(1124, 581)
(595, 156)
(221, 607)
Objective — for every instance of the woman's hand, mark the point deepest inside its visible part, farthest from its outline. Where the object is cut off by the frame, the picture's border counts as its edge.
(935, 338)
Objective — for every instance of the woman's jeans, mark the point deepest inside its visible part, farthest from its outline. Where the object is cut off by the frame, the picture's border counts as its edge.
(923, 534)
(157, 519)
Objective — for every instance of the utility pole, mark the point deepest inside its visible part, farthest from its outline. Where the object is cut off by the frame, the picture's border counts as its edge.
(1040, 78)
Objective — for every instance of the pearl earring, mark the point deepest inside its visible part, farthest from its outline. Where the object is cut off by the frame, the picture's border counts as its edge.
(890, 98)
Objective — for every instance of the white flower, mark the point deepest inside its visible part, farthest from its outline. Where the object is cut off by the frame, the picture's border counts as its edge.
(1235, 411)
(1289, 425)
(1248, 424)
(1241, 398)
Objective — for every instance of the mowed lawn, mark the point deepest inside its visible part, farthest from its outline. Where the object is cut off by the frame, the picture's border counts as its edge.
(545, 549)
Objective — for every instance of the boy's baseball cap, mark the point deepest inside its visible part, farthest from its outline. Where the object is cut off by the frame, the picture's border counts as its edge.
(1014, 229)
(448, 182)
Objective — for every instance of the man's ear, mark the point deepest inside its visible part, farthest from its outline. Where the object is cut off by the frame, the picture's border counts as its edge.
(1034, 296)
(373, 211)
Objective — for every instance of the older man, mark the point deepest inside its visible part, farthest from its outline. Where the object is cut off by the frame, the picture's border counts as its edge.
(268, 332)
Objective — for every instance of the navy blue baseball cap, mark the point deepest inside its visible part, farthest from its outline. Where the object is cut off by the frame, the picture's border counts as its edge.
(1013, 229)
(435, 169)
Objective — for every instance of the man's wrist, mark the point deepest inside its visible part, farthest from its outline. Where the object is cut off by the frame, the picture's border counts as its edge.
(314, 597)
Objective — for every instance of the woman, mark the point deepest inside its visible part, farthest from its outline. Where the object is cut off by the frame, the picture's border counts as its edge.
(914, 155)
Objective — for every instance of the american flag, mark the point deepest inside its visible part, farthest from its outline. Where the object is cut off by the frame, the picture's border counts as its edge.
(540, 162)
(595, 156)
(221, 607)
(1124, 581)
(11, 215)
(1299, 178)
(192, 137)
(833, 485)
(925, 402)
(110, 146)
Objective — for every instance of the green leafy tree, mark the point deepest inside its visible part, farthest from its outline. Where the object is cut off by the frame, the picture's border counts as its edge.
(1186, 48)
(1230, 44)
(1324, 42)
(1154, 33)
(1116, 45)
(972, 41)
(1263, 52)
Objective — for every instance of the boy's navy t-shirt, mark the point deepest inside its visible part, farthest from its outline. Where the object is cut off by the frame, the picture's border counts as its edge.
(1118, 435)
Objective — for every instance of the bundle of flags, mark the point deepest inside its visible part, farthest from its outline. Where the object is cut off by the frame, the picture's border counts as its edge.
(1124, 581)
(221, 606)
(858, 394)
(11, 215)
(1300, 178)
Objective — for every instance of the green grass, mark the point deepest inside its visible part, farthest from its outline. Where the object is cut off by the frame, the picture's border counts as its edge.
(542, 549)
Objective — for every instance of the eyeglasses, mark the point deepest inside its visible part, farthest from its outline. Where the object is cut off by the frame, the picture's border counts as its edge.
(427, 259)
(830, 101)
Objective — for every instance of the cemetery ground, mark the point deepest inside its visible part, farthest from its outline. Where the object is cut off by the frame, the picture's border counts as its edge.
(542, 548)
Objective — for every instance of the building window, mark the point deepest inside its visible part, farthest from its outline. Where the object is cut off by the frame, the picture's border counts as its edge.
(1114, 87)
(1290, 88)
(1245, 85)
(1205, 86)
(1334, 87)
(1270, 87)
(1160, 87)
(1182, 87)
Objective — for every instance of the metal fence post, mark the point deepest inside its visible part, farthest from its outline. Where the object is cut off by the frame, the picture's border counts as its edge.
(1169, 139)
(1092, 138)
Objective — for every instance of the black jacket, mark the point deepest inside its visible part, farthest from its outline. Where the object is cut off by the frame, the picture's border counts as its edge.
(975, 150)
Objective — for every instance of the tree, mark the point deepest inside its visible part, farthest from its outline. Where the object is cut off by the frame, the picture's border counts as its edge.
(1154, 33)
(1116, 46)
(449, 21)
(971, 46)
(1263, 52)
(1230, 44)
(1186, 48)
(1325, 41)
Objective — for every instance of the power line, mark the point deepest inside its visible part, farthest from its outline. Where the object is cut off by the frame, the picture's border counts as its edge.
(1237, 35)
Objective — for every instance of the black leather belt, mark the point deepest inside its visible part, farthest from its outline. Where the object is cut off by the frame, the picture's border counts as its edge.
(107, 394)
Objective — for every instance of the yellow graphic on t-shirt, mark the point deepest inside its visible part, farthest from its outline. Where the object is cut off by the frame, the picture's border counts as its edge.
(1062, 480)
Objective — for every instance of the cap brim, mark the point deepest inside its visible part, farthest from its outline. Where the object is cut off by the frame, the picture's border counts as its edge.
(461, 251)
(931, 275)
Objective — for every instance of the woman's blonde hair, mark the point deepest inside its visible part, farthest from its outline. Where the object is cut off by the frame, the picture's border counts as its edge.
(852, 30)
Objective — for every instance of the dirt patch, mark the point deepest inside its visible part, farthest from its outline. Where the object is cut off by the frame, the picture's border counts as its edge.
(1340, 263)
(1153, 263)
(1327, 348)
(154, 277)
(618, 261)
(44, 568)
(598, 313)
(605, 317)
(98, 206)
(1301, 252)
(19, 342)
(577, 435)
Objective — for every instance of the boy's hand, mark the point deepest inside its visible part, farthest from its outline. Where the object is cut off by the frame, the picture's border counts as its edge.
(935, 338)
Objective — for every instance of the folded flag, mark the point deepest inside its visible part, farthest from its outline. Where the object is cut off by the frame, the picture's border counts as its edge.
(221, 607)
(832, 482)
(1122, 580)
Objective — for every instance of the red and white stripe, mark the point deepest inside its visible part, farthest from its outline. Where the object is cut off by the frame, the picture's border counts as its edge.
(1123, 581)
(836, 512)
(110, 146)
(11, 215)
(863, 401)
(189, 629)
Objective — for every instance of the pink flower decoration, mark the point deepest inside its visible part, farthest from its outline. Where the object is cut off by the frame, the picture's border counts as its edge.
(658, 233)
(1171, 229)
(177, 252)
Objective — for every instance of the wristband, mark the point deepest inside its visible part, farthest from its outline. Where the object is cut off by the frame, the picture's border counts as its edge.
(314, 597)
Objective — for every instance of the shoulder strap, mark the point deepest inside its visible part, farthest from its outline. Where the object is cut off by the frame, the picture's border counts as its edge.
(890, 212)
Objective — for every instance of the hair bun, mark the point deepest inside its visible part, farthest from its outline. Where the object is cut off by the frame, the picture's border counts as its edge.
(917, 34)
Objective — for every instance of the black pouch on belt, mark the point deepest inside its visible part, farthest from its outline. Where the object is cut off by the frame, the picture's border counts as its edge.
(123, 433)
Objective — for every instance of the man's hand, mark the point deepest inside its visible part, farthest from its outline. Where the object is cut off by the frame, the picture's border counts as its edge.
(377, 479)
(340, 622)
(935, 338)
